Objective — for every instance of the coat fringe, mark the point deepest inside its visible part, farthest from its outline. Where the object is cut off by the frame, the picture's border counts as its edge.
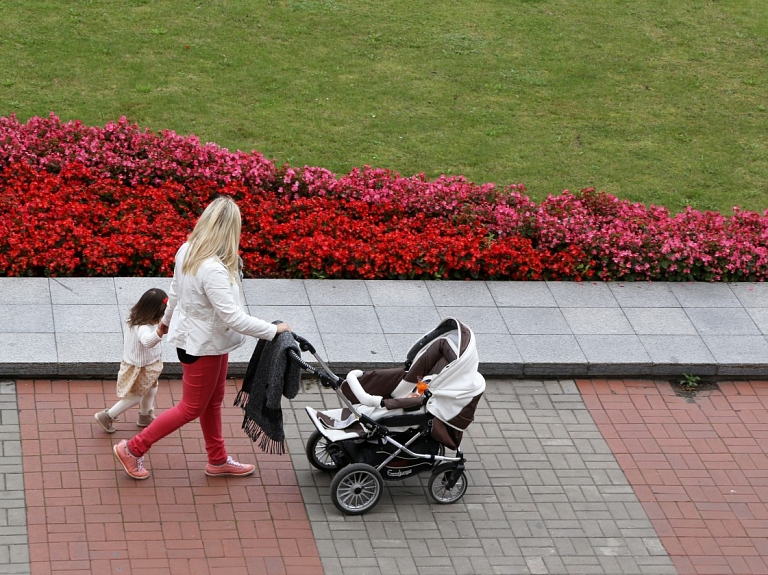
(258, 435)
(241, 399)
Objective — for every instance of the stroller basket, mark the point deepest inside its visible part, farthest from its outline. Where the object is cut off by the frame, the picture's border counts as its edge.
(390, 427)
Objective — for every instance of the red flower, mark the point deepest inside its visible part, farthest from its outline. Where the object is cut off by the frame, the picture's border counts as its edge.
(77, 200)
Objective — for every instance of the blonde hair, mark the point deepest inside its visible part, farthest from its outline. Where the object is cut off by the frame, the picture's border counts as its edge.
(216, 235)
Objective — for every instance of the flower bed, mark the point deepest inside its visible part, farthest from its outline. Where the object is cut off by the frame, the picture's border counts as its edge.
(118, 200)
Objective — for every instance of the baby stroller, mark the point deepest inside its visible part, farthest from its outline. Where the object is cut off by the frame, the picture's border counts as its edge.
(398, 422)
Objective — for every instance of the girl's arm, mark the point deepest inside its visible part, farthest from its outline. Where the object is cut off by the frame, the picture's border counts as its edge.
(148, 336)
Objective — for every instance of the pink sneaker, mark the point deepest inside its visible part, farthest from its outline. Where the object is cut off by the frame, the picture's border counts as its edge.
(134, 466)
(231, 467)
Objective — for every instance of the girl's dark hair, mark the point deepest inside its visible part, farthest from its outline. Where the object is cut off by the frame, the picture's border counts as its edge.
(149, 309)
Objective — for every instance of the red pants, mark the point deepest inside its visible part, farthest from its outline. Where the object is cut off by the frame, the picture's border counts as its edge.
(204, 383)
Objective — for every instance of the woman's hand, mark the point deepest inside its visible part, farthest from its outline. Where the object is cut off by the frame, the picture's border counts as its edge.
(281, 327)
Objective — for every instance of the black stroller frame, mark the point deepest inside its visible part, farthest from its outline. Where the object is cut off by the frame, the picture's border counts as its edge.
(370, 451)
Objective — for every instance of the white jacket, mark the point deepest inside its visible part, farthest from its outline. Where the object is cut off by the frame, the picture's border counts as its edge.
(204, 313)
(141, 345)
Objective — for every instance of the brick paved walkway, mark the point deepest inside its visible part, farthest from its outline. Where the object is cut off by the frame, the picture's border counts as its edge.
(698, 466)
(85, 515)
(611, 477)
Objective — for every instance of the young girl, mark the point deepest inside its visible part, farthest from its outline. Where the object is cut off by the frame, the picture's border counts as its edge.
(142, 361)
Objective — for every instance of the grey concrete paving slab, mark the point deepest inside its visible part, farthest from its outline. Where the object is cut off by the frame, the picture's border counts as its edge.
(357, 349)
(582, 294)
(659, 321)
(82, 353)
(337, 292)
(751, 294)
(677, 349)
(738, 349)
(28, 318)
(643, 294)
(287, 292)
(499, 355)
(482, 319)
(517, 309)
(347, 319)
(28, 348)
(392, 293)
(83, 291)
(549, 349)
(695, 294)
(521, 294)
(760, 316)
(722, 321)
(299, 317)
(408, 320)
(129, 289)
(24, 291)
(615, 354)
(124, 310)
(87, 319)
(460, 294)
(535, 320)
(596, 320)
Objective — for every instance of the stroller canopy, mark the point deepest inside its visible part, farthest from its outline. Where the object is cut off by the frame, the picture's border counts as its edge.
(457, 386)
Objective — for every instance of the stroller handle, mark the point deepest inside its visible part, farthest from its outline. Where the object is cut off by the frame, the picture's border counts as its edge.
(304, 345)
(325, 378)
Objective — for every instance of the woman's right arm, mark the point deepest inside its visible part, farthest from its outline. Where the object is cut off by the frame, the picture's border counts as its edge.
(217, 288)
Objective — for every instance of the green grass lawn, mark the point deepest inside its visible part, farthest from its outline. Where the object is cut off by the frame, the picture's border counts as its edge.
(658, 101)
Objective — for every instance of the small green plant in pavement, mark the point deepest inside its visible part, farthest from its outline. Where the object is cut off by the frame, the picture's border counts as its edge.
(690, 382)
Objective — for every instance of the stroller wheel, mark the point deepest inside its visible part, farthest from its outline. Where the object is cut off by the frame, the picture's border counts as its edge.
(438, 489)
(356, 488)
(317, 452)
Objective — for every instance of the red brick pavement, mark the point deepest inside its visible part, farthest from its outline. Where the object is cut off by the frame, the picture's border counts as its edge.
(85, 515)
(698, 465)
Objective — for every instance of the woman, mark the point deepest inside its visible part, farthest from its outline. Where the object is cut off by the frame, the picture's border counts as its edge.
(205, 322)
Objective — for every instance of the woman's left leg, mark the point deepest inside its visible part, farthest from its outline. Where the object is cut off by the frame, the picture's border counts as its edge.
(219, 464)
(210, 417)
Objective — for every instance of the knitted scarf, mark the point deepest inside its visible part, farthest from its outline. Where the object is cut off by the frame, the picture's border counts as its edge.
(270, 375)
